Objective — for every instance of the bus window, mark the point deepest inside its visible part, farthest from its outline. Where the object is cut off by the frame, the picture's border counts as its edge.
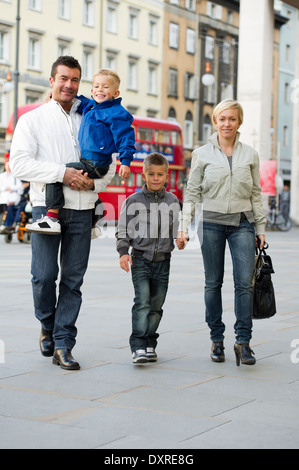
(117, 180)
(139, 181)
(176, 138)
(144, 133)
(172, 180)
(130, 181)
(181, 179)
(162, 137)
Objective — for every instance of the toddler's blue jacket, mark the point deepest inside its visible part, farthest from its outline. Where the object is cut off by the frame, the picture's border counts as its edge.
(106, 129)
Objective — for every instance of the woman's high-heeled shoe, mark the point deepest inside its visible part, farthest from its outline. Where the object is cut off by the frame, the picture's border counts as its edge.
(244, 354)
(217, 352)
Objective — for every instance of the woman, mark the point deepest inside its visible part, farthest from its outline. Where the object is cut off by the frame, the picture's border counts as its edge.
(225, 178)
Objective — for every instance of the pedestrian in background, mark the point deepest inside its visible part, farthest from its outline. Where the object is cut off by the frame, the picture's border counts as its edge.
(44, 141)
(225, 177)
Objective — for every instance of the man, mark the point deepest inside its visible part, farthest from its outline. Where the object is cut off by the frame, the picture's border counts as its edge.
(45, 140)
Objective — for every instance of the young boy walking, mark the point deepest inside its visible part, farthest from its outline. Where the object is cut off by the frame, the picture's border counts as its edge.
(105, 129)
(148, 225)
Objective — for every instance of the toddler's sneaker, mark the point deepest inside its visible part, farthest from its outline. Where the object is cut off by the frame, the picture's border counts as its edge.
(151, 355)
(44, 225)
(139, 356)
(96, 232)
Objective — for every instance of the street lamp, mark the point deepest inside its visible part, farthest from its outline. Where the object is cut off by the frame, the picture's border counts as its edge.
(208, 79)
(16, 73)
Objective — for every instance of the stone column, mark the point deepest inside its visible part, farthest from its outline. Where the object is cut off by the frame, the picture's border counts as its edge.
(295, 156)
(255, 73)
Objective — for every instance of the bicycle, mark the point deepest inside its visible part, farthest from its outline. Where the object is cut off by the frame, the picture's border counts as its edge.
(275, 219)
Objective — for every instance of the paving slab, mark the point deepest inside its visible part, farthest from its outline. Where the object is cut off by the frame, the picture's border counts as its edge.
(184, 401)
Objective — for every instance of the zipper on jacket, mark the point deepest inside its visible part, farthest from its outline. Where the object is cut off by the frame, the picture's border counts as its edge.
(159, 227)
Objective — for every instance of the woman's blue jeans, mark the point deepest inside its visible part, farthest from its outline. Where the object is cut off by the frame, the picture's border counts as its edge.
(150, 280)
(241, 241)
(59, 313)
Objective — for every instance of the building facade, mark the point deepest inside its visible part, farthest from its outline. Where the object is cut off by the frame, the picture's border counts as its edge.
(287, 57)
(126, 36)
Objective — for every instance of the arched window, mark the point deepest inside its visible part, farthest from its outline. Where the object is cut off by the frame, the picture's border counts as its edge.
(172, 114)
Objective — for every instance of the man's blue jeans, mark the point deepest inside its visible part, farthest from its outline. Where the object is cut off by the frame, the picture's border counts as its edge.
(150, 280)
(241, 242)
(60, 314)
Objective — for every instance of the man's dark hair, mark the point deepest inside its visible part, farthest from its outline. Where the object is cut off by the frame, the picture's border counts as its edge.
(68, 61)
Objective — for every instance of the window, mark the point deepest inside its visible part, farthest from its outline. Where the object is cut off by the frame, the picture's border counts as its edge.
(188, 130)
(174, 35)
(285, 136)
(63, 49)
(226, 91)
(88, 12)
(210, 94)
(213, 10)
(173, 82)
(111, 60)
(4, 47)
(112, 19)
(190, 4)
(190, 41)
(34, 52)
(35, 5)
(191, 86)
(175, 2)
(64, 9)
(230, 16)
(226, 48)
(152, 79)
(87, 65)
(132, 74)
(209, 47)
(133, 25)
(172, 114)
(153, 31)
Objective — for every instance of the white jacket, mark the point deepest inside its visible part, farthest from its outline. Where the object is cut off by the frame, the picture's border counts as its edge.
(44, 140)
(221, 189)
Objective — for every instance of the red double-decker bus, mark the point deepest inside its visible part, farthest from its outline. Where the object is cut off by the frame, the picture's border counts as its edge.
(152, 135)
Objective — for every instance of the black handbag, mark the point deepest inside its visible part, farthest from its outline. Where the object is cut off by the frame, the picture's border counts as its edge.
(264, 305)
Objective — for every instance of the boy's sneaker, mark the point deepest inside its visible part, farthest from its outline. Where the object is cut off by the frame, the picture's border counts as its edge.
(96, 232)
(151, 355)
(139, 356)
(44, 225)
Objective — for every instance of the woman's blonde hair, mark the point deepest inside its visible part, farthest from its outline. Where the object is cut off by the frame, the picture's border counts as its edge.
(227, 104)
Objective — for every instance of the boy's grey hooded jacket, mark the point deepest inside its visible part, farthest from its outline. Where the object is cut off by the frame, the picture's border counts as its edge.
(148, 223)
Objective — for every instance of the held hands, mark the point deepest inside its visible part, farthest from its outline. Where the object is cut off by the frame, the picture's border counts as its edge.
(182, 240)
(124, 171)
(76, 180)
(125, 262)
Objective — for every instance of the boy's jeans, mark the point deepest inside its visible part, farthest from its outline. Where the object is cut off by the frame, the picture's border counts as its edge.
(60, 314)
(150, 280)
(241, 242)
